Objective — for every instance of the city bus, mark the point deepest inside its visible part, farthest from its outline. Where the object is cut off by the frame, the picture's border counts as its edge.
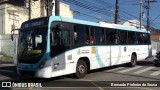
(55, 46)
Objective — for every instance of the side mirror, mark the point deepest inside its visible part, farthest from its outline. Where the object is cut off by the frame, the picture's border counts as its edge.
(12, 33)
(12, 37)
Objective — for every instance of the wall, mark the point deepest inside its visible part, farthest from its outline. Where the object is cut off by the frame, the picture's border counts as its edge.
(14, 16)
(38, 10)
(11, 17)
(2, 19)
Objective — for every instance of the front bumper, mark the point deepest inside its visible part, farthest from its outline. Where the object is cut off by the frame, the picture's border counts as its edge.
(41, 73)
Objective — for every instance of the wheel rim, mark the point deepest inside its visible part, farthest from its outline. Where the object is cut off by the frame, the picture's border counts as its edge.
(81, 69)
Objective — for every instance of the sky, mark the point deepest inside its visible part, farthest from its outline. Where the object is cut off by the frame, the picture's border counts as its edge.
(103, 10)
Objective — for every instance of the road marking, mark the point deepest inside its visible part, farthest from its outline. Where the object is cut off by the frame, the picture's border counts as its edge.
(143, 70)
(6, 71)
(115, 69)
(155, 73)
(126, 70)
(97, 86)
(100, 88)
(135, 88)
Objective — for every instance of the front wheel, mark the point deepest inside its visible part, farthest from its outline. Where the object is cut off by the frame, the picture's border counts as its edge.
(155, 63)
(81, 69)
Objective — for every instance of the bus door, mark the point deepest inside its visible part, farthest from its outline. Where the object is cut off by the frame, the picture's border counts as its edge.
(60, 43)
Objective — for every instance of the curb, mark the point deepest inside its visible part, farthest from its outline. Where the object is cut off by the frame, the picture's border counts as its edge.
(6, 65)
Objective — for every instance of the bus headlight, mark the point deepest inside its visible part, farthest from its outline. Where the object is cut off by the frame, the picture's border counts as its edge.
(46, 64)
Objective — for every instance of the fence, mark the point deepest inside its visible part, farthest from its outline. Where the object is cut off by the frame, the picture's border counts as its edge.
(7, 48)
(155, 47)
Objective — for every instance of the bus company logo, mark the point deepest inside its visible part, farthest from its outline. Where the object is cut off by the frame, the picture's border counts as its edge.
(6, 84)
(79, 52)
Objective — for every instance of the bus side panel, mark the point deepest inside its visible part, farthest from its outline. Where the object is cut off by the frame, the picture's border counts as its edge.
(116, 54)
(100, 56)
(126, 54)
(142, 52)
(61, 65)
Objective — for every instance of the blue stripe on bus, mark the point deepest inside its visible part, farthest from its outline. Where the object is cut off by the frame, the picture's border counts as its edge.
(99, 60)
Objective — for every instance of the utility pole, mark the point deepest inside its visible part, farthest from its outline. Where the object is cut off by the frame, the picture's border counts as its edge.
(56, 7)
(148, 17)
(140, 14)
(49, 7)
(116, 12)
(29, 9)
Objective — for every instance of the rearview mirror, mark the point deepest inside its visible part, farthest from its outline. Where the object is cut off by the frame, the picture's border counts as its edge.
(12, 33)
(12, 37)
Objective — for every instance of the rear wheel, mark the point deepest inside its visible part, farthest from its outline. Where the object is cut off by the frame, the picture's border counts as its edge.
(155, 64)
(133, 61)
(81, 69)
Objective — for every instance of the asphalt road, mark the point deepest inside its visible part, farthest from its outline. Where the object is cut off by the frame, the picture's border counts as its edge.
(144, 76)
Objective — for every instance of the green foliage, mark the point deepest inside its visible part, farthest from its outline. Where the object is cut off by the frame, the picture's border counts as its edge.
(5, 56)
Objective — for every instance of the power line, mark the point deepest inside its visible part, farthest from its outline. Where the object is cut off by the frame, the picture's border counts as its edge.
(90, 7)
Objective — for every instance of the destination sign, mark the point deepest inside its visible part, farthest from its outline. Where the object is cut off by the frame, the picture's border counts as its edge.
(34, 23)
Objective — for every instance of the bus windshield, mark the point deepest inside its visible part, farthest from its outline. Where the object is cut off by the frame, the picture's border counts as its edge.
(32, 42)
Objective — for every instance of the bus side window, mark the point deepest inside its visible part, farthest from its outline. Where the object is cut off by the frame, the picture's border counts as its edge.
(110, 36)
(99, 35)
(79, 34)
(140, 38)
(102, 36)
(132, 38)
(146, 38)
(92, 37)
(116, 38)
(75, 37)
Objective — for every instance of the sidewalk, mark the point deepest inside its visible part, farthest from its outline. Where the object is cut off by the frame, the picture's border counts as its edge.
(6, 63)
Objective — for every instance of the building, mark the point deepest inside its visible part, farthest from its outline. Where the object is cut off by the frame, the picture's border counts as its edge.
(38, 9)
(12, 14)
(133, 23)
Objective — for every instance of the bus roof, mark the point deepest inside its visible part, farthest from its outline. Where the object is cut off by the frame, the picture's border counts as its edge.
(101, 24)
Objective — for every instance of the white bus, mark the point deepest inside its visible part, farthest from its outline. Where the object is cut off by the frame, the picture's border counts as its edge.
(54, 46)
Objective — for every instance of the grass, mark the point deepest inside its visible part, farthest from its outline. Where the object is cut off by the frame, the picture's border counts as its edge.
(5, 56)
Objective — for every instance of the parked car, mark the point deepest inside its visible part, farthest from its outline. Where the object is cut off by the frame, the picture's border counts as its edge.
(156, 60)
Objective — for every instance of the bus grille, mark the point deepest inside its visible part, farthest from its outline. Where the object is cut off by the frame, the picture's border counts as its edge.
(30, 73)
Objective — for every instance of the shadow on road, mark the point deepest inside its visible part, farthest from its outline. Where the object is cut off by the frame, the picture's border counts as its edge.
(14, 77)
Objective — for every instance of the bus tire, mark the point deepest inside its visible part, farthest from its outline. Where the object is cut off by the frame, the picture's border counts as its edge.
(81, 69)
(156, 64)
(133, 60)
